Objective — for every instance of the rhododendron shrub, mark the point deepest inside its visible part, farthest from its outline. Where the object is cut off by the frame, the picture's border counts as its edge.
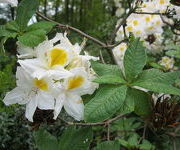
(138, 89)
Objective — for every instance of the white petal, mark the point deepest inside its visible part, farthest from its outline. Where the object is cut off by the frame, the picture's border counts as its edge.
(58, 105)
(59, 73)
(24, 80)
(14, 96)
(25, 52)
(74, 106)
(33, 67)
(31, 108)
(45, 100)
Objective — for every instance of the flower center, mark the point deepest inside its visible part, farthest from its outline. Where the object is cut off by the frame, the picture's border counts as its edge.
(75, 82)
(135, 22)
(58, 57)
(162, 2)
(41, 84)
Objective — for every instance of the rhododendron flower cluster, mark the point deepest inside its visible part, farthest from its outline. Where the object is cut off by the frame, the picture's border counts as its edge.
(148, 27)
(51, 76)
(167, 62)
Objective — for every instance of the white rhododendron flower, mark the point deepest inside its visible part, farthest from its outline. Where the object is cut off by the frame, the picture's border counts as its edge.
(147, 25)
(71, 90)
(51, 59)
(119, 52)
(25, 52)
(13, 3)
(167, 62)
(32, 92)
(54, 76)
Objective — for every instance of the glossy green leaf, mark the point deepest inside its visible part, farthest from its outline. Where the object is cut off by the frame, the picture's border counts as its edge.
(26, 9)
(134, 59)
(32, 38)
(109, 79)
(106, 102)
(45, 141)
(108, 145)
(75, 139)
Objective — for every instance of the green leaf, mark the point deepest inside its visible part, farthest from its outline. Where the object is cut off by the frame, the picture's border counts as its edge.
(75, 139)
(106, 69)
(174, 53)
(45, 141)
(25, 11)
(7, 33)
(109, 79)
(157, 81)
(146, 145)
(106, 102)
(12, 26)
(133, 140)
(141, 101)
(43, 25)
(108, 145)
(134, 59)
(128, 105)
(32, 38)
(125, 124)
(154, 75)
(2, 41)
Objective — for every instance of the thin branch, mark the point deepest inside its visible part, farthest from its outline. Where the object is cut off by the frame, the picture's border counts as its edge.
(101, 57)
(174, 144)
(170, 25)
(108, 132)
(150, 13)
(102, 44)
(123, 21)
(95, 124)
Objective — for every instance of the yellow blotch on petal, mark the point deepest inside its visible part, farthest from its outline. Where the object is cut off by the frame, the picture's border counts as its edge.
(162, 2)
(58, 57)
(75, 82)
(79, 101)
(129, 28)
(135, 22)
(41, 84)
(158, 22)
(148, 19)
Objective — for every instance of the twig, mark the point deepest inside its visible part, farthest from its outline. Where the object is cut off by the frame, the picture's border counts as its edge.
(95, 124)
(123, 21)
(170, 25)
(108, 132)
(102, 44)
(150, 13)
(144, 134)
(174, 144)
(101, 57)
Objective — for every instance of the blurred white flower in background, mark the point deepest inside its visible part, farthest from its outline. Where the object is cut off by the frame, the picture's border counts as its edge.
(146, 26)
(167, 62)
(119, 52)
(13, 3)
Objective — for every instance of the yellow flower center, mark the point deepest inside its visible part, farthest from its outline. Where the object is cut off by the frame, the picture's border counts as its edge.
(58, 57)
(138, 32)
(147, 19)
(162, 2)
(129, 28)
(75, 82)
(158, 22)
(41, 84)
(135, 22)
